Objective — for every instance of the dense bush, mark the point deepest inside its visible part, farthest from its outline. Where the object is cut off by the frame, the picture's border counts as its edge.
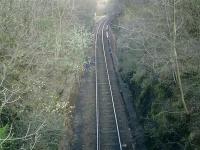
(42, 49)
(159, 58)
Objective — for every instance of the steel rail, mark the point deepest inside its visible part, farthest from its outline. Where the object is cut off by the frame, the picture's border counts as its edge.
(110, 87)
(97, 105)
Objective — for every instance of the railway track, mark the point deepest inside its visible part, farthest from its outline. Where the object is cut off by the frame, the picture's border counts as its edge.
(112, 131)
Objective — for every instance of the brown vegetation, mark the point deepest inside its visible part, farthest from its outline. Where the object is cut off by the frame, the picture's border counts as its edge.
(42, 50)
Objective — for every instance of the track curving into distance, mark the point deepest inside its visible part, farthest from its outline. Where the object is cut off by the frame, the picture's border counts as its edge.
(107, 128)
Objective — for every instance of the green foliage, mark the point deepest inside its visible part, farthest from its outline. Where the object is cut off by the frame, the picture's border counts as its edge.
(147, 64)
(3, 132)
